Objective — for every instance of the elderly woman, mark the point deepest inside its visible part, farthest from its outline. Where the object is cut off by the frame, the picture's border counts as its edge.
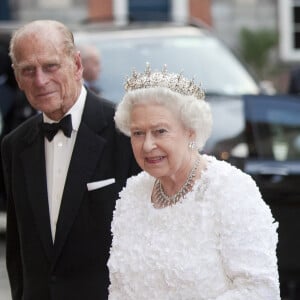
(189, 227)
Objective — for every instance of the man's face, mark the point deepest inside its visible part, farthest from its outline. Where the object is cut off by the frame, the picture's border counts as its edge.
(49, 76)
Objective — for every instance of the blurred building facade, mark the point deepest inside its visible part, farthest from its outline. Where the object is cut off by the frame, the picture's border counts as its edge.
(117, 11)
(226, 17)
(231, 16)
(289, 28)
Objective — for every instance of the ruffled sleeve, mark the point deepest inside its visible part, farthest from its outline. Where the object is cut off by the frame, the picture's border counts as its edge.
(247, 235)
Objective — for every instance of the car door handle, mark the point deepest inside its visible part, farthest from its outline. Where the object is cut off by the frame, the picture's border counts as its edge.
(263, 169)
(272, 171)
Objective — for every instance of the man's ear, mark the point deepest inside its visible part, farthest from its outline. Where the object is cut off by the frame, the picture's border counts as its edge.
(17, 78)
(79, 66)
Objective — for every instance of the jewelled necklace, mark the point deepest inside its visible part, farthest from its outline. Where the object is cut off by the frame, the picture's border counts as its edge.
(159, 198)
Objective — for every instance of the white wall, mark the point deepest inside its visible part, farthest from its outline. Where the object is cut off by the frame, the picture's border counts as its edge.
(230, 16)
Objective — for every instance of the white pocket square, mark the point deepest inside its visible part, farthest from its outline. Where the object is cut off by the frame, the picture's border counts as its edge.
(99, 184)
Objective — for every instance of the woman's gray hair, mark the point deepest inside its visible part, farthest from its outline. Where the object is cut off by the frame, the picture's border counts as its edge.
(195, 114)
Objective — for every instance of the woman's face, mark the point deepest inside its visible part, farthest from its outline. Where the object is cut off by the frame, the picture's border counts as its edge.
(159, 140)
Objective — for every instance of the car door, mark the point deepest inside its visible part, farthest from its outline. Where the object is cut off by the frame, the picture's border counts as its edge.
(273, 137)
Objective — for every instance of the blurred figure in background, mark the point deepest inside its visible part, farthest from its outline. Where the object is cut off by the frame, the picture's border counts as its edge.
(14, 107)
(91, 61)
(6, 103)
(7, 91)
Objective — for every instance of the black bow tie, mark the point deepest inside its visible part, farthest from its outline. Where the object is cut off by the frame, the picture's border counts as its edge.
(50, 129)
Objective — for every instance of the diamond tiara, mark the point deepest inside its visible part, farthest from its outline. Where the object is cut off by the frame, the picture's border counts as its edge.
(175, 82)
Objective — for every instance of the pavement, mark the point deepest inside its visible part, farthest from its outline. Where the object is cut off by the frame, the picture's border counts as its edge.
(4, 284)
(2, 222)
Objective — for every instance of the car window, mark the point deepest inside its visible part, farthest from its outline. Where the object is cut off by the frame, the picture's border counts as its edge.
(228, 131)
(202, 57)
(274, 126)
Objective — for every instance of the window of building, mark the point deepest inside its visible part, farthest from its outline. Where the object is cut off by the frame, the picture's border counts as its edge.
(149, 10)
(289, 25)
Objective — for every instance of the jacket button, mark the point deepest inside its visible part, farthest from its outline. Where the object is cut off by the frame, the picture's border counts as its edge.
(53, 278)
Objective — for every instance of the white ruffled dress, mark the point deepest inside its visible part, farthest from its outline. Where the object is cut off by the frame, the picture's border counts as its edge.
(218, 243)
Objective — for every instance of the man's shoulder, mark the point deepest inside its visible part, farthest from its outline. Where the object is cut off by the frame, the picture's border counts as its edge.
(22, 129)
(95, 103)
(98, 100)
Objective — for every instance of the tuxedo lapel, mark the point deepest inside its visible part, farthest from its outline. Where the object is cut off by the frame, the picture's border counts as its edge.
(35, 176)
(87, 150)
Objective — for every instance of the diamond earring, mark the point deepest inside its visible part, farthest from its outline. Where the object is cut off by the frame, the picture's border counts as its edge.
(192, 145)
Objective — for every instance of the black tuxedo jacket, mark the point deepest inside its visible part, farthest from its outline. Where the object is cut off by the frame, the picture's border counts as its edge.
(74, 267)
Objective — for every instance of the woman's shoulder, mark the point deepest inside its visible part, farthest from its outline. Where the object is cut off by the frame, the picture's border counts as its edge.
(137, 185)
(227, 183)
(232, 190)
(221, 172)
(139, 179)
(24, 131)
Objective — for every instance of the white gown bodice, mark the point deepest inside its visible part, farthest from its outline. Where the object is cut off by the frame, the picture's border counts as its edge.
(218, 243)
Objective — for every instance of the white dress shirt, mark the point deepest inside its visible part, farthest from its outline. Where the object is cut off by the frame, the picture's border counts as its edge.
(58, 154)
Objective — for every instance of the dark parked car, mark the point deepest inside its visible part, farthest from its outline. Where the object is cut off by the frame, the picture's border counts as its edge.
(258, 133)
(261, 135)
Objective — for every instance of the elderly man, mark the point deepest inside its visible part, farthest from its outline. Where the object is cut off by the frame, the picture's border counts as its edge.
(63, 170)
